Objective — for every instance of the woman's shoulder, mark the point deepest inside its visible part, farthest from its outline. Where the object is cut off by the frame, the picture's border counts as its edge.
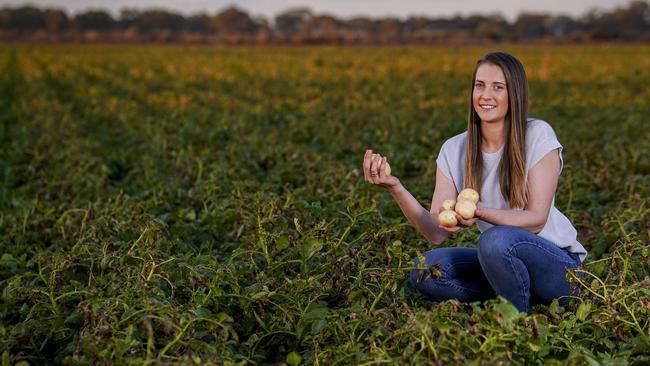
(451, 157)
(455, 142)
(540, 140)
(538, 128)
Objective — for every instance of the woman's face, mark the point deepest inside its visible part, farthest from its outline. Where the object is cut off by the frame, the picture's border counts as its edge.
(490, 95)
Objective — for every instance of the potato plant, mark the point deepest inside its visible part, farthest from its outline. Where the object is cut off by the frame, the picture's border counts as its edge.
(206, 205)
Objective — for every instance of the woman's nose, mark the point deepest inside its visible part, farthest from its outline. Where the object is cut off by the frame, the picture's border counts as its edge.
(485, 94)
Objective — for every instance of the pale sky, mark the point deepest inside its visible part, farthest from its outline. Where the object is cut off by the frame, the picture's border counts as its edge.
(340, 8)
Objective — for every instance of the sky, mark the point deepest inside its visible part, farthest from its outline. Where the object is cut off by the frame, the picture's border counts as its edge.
(339, 8)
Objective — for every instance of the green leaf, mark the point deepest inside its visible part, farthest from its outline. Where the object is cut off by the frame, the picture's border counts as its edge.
(224, 317)
(555, 309)
(6, 257)
(190, 215)
(201, 312)
(318, 326)
(74, 320)
(294, 359)
(535, 348)
(6, 358)
(508, 312)
(262, 294)
(641, 343)
(591, 361)
(356, 309)
(282, 243)
(310, 247)
(318, 310)
(583, 310)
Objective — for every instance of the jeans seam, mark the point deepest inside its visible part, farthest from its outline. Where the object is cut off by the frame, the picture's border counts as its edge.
(447, 282)
(568, 264)
(451, 264)
(444, 280)
(524, 290)
(524, 241)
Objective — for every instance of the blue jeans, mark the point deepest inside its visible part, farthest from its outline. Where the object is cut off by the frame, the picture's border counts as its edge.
(509, 261)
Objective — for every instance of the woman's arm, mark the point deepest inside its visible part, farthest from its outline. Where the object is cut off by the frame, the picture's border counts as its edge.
(542, 182)
(426, 222)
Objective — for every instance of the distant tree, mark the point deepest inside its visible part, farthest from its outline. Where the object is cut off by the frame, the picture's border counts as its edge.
(24, 18)
(56, 20)
(5, 15)
(389, 30)
(232, 25)
(359, 29)
(563, 26)
(416, 23)
(98, 20)
(128, 18)
(159, 20)
(322, 28)
(233, 21)
(493, 27)
(636, 15)
(531, 25)
(418, 29)
(264, 32)
(291, 21)
(199, 23)
(445, 24)
(627, 22)
(472, 22)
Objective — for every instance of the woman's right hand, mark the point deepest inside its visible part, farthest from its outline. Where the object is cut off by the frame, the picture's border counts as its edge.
(374, 171)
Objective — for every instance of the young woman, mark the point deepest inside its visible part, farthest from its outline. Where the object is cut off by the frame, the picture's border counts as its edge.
(526, 245)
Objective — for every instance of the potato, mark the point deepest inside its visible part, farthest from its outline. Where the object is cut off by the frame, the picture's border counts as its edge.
(448, 205)
(387, 169)
(466, 209)
(468, 194)
(447, 218)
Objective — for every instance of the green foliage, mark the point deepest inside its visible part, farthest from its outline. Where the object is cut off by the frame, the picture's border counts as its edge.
(179, 205)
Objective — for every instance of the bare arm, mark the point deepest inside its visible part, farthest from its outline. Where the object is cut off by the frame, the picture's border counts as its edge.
(542, 182)
(426, 222)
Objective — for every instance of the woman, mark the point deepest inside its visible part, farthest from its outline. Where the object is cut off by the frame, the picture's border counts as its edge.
(526, 245)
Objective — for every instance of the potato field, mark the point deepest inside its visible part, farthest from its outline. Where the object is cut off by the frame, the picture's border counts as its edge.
(200, 205)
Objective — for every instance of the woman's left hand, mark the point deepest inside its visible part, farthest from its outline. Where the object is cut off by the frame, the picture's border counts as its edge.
(461, 222)
(479, 213)
(466, 223)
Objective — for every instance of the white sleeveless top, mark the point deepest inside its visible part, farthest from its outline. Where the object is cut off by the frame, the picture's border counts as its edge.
(540, 140)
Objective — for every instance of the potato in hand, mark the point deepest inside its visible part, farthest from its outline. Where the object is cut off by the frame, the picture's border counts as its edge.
(447, 218)
(466, 209)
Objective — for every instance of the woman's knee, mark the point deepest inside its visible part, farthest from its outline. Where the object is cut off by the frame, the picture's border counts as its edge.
(421, 271)
(422, 280)
(495, 242)
(438, 260)
(415, 273)
(415, 278)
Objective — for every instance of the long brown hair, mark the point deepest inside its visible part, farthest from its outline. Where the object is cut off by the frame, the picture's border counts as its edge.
(512, 168)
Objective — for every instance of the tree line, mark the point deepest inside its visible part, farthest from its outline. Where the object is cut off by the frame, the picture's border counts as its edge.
(630, 23)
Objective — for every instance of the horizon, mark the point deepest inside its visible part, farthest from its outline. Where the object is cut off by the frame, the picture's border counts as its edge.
(336, 8)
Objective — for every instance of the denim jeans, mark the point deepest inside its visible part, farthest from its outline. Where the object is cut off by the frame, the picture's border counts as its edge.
(508, 261)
